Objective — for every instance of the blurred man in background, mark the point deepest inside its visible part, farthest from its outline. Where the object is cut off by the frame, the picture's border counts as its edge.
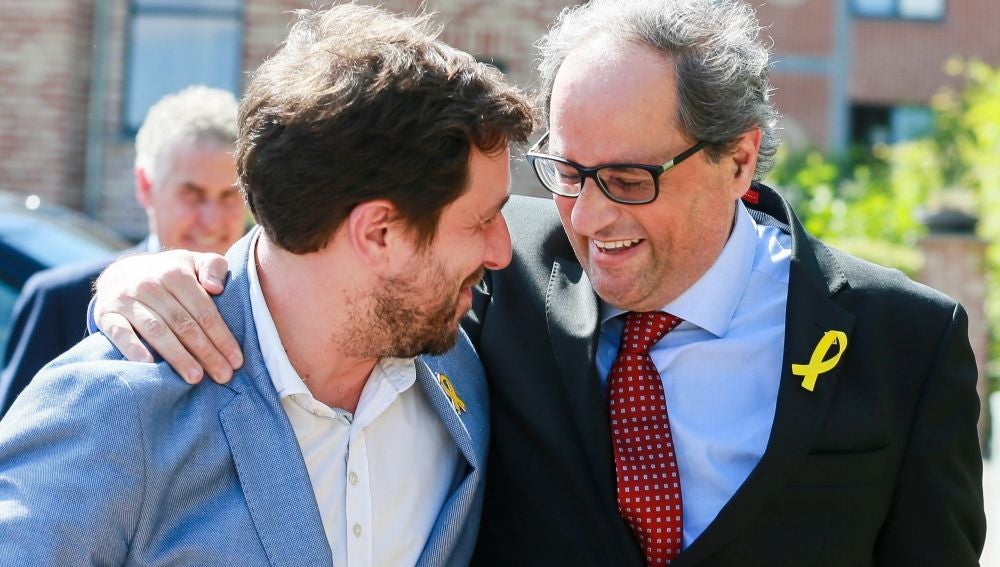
(185, 179)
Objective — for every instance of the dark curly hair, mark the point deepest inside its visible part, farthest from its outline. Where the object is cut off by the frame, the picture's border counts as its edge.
(359, 104)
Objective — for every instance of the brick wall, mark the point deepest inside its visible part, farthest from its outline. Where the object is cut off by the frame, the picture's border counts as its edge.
(891, 62)
(898, 60)
(44, 67)
(45, 48)
(504, 32)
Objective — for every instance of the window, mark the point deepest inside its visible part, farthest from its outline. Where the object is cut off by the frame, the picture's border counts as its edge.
(903, 9)
(176, 43)
(881, 124)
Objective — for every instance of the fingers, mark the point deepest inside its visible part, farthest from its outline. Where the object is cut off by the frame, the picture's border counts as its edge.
(178, 300)
(159, 297)
(122, 335)
(156, 331)
(212, 270)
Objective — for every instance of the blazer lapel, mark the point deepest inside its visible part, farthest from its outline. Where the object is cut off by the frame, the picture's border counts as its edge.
(265, 452)
(274, 479)
(811, 312)
(573, 317)
(470, 431)
(455, 386)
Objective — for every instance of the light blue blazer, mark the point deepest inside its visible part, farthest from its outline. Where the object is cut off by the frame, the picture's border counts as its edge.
(110, 462)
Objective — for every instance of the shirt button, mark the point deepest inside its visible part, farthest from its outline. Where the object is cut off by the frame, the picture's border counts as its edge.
(352, 478)
(357, 530)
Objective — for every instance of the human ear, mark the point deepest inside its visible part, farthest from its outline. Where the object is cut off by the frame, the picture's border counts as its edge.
(744, 160)
(143, 188)
(373, 231)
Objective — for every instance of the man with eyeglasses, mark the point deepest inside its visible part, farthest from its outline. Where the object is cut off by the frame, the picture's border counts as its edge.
(680, 374)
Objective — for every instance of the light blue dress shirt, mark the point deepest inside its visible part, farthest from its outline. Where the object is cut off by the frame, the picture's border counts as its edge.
(720, 368)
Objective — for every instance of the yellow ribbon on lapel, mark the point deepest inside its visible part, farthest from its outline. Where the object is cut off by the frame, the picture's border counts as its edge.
(449, 390)
(817, 365)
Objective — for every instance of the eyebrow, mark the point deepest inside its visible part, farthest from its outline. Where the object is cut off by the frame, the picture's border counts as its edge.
(495, 210)
(196, 187)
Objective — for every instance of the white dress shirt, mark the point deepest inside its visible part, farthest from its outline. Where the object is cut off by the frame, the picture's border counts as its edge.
(721, 367)
(380, 476)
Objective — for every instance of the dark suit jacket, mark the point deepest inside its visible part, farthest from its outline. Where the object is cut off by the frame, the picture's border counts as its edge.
(879, 465)
(50, 316)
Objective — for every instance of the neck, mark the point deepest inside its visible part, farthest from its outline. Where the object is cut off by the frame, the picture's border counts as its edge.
(309, 307)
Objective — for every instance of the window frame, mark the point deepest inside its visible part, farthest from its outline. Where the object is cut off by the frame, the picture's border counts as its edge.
(163, 8)
(895, 13)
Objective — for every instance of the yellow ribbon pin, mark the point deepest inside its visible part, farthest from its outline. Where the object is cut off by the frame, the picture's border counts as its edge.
(817, 365)
(449, 390)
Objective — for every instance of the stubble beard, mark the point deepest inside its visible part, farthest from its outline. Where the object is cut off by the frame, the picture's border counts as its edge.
(409, 317)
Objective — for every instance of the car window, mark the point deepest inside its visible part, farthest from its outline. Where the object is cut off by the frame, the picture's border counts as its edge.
(55, 244)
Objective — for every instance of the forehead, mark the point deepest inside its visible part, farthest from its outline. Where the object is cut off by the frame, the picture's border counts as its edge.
(488, 184)
(614, 101)
(207, 164)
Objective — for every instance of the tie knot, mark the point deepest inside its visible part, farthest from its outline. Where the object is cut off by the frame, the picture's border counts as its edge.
(643, 330)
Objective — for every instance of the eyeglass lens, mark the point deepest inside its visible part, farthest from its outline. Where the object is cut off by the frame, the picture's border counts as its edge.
(629, 184)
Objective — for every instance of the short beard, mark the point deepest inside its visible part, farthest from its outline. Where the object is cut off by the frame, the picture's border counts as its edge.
(410, 328)
(402, 321)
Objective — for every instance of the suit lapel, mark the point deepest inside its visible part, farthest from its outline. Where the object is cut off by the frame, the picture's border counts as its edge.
(572, 315)
(457, 379)
(265, 452)
(470, 437)
(275, 480)
(813, 279)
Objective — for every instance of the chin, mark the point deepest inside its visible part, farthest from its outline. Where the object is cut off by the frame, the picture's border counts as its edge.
(218, 247)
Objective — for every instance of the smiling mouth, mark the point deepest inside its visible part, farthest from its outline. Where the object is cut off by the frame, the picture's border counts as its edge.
(615, 245)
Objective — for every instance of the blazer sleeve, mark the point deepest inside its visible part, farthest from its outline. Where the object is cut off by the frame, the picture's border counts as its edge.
(937, 513)
(71, 470)
(48, 319)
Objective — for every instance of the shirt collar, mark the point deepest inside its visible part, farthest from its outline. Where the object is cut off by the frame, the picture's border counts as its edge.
(711, 302)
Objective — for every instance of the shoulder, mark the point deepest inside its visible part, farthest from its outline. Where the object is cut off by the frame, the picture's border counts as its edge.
(887, 299)
(93, 380)
(537, 238)
(76, 277)
(889, 286)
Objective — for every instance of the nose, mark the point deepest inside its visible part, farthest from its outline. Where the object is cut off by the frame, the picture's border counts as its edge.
(592, 210)
(498, 251)
(210, 213)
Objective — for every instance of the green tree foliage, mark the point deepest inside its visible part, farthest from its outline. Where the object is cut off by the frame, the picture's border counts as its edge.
(870, 207)
(967, 137)
(872, 202)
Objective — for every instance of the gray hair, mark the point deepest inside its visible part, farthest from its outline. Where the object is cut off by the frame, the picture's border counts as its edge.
(721, 66)
(194, 115)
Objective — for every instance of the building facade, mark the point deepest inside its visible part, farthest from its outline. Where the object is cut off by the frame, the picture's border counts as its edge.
(864, 71)
(77, 75)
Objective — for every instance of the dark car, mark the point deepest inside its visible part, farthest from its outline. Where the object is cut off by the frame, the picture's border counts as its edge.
(35, 236)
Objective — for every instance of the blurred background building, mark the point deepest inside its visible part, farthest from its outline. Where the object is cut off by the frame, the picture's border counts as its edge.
(76, 76)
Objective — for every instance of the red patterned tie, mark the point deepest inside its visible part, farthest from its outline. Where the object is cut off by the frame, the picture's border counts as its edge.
(649, 486)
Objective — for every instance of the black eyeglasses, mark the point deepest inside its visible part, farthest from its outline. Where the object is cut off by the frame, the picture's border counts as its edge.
(625, 183)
